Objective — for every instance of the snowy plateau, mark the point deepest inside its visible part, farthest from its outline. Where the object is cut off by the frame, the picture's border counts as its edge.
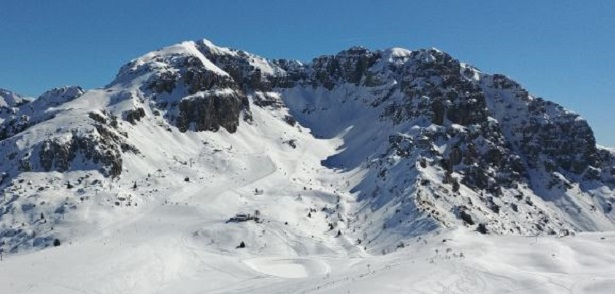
(204, 169)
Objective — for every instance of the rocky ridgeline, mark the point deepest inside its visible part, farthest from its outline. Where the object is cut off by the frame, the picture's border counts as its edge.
(513, 153)
(97, 141)
(483, 134)
(102, 144)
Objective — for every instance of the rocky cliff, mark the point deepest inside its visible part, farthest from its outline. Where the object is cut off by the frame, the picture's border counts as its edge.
(480, 149)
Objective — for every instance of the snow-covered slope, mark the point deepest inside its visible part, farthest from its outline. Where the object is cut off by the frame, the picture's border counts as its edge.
(157, 256)
(9, 103)
(10, 99)
(353, 154)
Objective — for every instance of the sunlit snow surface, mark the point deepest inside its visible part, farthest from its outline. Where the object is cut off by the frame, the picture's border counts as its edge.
(161, 227)
(171, 261)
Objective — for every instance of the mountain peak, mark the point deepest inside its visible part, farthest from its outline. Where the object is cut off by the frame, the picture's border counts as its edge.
(10, 99)
(397, 53)
(418, 141)
(58, 96)
(215, 161)
(209, 46)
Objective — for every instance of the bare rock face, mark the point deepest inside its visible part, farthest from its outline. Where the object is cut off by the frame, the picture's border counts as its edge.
(240, 65)
(13, 126)
(55, 154)
(134, 115)
(267, 99)
(190, 94)
(188, 76)
(102, 147)
(348, 66)
(553, 139)
(196, 77)
(94, 144)
(210, 110)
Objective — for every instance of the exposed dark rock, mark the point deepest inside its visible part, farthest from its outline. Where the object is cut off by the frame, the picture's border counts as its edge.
(467, 218)
(491, 205)
(438, 110)
(476, 177)
(198, 78)
(98, 117)
(266, 99)
(14, 125)
(350, 66)
(402, 145)
(56, 154)
(455, 184)
(292, 143)
(455, 156)
(481, 228)
(164, 82)
(104, 147)
(134, 115)
(290, 120)
(208, 111)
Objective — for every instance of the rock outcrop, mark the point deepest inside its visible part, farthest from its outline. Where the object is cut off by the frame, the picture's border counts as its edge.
(210, 110)
(188, 89)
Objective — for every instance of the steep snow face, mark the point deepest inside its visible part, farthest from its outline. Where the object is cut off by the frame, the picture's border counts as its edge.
(363, 149)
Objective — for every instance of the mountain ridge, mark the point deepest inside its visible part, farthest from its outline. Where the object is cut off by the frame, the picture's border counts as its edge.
(423, 141)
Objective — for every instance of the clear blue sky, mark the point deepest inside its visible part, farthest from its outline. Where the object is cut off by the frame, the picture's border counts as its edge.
(561, 50)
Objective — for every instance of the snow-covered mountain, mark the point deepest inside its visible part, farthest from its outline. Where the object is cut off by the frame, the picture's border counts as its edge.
(354, 152)
(10, 99)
